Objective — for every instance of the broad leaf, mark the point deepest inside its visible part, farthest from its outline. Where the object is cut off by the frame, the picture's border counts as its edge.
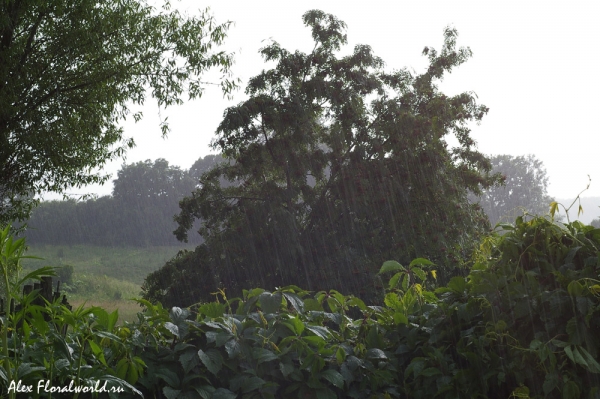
(211, 359)
(270, 303)
(420, 262)
(334, 377)
(375, 353)
(391, 266)
(262, 355)
(295, 301)
(171, 393)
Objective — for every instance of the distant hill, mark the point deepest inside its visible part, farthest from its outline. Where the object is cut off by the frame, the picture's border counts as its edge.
(590, 205)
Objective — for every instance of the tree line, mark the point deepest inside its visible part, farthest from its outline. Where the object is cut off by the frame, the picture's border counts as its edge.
(140, 211)
(146, 197)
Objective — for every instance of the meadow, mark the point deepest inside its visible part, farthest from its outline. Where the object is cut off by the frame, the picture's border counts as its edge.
(103, 276)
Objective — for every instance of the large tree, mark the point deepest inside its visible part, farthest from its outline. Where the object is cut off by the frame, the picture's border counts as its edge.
(70, 70)
(147, 195)
(524, 189)
(339, 166)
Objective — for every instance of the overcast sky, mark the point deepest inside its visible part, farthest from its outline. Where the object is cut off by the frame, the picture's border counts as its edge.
(535, 64)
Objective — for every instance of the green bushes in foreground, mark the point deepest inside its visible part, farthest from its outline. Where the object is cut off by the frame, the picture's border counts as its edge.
(524, 323)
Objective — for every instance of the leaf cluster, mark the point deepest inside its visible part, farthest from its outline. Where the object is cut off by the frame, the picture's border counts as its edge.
(523, 323)
(69, 73)
(43, 340)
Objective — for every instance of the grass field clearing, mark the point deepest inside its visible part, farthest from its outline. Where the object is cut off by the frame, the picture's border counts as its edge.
(103, 276)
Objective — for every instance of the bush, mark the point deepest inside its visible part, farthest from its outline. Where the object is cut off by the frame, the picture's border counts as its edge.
(523, 323)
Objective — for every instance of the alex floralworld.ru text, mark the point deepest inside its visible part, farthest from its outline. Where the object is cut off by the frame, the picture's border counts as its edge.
(44, 386)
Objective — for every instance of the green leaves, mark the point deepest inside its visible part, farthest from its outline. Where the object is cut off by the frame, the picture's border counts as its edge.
(522, 188)
(419, 262)
(333, 377)
(406, 276)
(261, 355)
(521, 324)
(270, 303)
(333, 161)
(581, 356)
(294, 300)
(575, 288)
(211, 359)
(72, 114)
(295, 325)
(391, 266)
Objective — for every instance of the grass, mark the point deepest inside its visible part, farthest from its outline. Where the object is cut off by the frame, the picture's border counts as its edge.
(106, 292)
(103, 276)
(124, 263)
(127, 309)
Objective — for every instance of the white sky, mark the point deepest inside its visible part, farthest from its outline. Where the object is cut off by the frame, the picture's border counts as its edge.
(535, 64)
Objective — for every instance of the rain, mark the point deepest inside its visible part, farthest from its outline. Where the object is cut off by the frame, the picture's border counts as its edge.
(355, 202)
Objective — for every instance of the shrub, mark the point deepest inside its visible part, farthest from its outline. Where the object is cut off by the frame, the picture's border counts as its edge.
(523, 323)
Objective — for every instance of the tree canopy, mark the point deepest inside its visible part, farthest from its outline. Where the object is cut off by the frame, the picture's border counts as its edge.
(524, 188)
(339, 165)
(140, 212)
(69, 72)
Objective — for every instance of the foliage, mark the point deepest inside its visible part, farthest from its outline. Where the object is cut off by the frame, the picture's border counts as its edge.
(102, 276)
(524, 323)
(203, 165)
(335, 166)
(524, 189)
(139, 213)
(148, 194)
(285, 343)
(69, 72)
(49, 341)
(63, 348)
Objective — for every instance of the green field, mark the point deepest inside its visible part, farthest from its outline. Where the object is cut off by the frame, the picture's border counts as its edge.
(103, 276)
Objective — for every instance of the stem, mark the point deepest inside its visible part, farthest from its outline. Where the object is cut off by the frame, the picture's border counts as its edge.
(79, 367)
(7, 364)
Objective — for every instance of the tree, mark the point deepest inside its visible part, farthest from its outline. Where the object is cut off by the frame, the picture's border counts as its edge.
(136, 183)
(69, 71)
(524, 189)
(340, 166)
(140, 212)
(203, 165)
(147, 195)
